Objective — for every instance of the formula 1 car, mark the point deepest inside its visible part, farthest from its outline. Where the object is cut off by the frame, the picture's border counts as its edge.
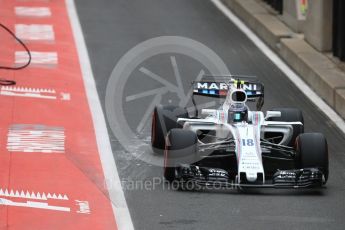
(232, 145)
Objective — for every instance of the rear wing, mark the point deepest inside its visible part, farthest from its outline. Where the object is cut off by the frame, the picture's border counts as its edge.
(217, 86)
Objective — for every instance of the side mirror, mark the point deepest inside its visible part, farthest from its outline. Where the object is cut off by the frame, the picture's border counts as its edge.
(270, 114)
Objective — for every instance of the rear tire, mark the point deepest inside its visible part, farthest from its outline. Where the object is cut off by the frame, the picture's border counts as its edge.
(291, 115)
(180, 149)
(312, 152)
(164, 119)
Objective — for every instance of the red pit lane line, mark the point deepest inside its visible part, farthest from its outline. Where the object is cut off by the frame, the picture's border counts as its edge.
(50, 172)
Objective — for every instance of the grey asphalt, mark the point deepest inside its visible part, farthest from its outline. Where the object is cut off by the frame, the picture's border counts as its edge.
(112, 27)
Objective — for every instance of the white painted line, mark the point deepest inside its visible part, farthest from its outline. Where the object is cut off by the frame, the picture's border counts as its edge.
(42, 93)
(31, 204)
(34, 12)
(35, 33)
(33, 195)
(28, 92)
(40, 200)
(35, 138)
(34, 1)
(112, 179)
(84, 207)
(299, 83)
(38, 59)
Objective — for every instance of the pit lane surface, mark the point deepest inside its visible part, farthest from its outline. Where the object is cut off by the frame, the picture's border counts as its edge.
(111, 28)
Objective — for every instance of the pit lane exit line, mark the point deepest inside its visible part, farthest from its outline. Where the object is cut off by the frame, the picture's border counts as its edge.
(119, 204)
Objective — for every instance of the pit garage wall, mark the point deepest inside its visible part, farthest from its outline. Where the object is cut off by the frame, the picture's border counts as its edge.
(322, 22)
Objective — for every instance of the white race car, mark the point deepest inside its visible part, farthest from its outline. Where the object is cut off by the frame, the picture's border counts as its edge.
(232, 145)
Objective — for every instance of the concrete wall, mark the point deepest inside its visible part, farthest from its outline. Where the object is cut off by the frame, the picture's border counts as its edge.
(290, 16)
(318, 25)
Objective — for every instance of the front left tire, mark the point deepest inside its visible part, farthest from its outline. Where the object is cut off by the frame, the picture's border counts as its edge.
(164, 118)
(181, 148)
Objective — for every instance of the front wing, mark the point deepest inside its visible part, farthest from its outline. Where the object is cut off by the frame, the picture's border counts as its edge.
(215, 177)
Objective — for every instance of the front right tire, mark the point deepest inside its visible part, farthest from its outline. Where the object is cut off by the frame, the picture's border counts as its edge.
(312, 152)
